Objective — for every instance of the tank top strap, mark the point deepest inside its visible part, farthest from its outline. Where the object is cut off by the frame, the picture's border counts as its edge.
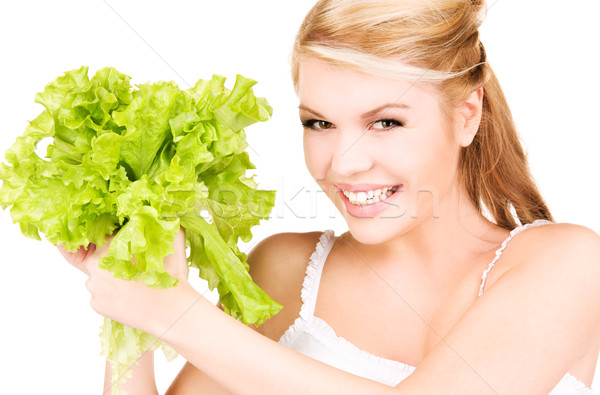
(512, 234)
(310, 286)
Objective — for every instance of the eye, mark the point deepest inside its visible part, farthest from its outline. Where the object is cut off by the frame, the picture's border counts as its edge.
(386, 124)
(317, 124)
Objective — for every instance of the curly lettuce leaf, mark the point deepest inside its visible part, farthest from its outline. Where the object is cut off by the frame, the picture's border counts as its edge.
(139, 163)
(227, 273)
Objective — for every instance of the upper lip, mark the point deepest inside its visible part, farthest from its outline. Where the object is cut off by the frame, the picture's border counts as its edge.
(363, 187)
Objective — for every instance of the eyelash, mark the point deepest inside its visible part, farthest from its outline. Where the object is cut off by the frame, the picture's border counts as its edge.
(310, 124)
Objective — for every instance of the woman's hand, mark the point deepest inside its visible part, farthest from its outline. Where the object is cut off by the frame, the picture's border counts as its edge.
(131, 303)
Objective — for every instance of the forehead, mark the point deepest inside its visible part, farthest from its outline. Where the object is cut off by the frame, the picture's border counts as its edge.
(323, 84)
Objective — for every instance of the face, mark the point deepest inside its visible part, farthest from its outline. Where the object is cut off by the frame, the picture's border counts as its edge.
(381, 149)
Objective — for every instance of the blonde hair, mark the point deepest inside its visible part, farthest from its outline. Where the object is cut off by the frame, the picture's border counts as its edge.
(434, 42)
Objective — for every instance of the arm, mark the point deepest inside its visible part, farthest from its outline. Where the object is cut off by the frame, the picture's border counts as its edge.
(145, 303)
(525, 331)
(189, 381)
(530, 326)
(245, 362)
(240, 363)
(192, 380)
(142, 380)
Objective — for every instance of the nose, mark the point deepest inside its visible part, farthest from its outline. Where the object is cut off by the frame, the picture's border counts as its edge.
(351, 154)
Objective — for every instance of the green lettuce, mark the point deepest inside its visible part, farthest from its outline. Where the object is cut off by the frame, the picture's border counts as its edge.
(141, 162)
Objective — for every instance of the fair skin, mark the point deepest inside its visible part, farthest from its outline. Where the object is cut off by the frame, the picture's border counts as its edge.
(406, 271)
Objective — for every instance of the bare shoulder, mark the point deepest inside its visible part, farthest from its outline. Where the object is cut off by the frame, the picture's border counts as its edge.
(278, 265)
(564, 246)
(276, 260)
(561, 257)
(566, 232)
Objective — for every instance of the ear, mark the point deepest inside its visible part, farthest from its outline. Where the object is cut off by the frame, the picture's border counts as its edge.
(469, 117)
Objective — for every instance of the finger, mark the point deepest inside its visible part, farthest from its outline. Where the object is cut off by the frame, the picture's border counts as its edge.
(66, 254)
(78, 257)
(97, 253)
(176, 263)
(101, 250)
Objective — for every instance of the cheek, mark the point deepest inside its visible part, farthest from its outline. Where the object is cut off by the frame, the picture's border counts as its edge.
(437, 165)
(425, 158)
(317, 156)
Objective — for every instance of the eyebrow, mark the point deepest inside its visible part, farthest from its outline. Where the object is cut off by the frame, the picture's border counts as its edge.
(367, 114)
(304, 108)
(384, 108)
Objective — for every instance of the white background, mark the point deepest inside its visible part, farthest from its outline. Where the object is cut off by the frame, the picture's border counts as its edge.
(544, 53)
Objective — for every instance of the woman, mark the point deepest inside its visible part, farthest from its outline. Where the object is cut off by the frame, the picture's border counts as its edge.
(408, 133)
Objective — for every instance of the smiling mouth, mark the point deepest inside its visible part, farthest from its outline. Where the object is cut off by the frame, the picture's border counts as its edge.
(364, 198)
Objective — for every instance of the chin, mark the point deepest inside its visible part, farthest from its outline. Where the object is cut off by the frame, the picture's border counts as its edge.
(373, 231)
(367, 239)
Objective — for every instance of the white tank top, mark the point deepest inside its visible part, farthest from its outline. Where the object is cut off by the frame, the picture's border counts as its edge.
(312, 336)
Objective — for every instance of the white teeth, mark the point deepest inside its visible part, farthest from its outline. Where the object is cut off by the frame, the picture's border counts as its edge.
(364, 198)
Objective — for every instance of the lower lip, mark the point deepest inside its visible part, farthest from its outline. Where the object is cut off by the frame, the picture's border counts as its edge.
(370, 210)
